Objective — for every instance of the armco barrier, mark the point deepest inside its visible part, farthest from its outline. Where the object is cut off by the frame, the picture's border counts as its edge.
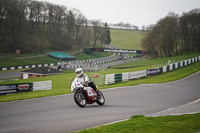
(115, 78)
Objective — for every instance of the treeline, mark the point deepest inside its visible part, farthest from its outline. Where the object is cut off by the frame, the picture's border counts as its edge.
(174, 35)
(32, 26)
(123, 25)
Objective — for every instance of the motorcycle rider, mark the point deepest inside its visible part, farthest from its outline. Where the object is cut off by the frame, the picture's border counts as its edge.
(83, 78)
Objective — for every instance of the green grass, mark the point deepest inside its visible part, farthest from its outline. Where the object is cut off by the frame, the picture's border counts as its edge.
(123, 39)
(165, 77)
(83, 56)
(60, 83)
(162, 124)
(126, 39)
(157, 62)
(8, 60)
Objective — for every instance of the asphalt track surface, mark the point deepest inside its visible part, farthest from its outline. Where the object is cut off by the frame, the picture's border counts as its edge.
(60, 114)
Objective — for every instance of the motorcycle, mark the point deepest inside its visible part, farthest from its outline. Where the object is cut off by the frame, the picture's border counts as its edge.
(84, 94)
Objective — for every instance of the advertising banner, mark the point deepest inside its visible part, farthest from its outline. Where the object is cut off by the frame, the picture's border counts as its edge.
(153, 71)
(24, 87)
(138, 74)
(10, 88)
(13, 88)
(120, 50)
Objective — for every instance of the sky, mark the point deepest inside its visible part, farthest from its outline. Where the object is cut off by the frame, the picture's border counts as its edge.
(136, 12)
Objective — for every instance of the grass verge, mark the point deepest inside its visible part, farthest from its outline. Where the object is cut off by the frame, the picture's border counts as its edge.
(163, 124)
(126, 39)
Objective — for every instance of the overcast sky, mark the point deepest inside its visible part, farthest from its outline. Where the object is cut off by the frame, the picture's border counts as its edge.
(135, 12)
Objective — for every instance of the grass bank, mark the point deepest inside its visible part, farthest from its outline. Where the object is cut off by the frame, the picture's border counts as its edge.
(126, 39)
(162, 124)
(8, 60)
(157, 62)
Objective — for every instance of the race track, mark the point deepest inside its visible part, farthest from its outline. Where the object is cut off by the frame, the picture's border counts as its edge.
(60, 114)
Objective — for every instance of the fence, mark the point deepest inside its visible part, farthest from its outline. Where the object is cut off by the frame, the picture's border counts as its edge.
(97, 78)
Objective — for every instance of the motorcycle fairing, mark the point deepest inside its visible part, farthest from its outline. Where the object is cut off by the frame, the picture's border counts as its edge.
(91, 95)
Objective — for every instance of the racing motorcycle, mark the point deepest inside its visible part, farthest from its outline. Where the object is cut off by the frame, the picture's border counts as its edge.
(84, 94)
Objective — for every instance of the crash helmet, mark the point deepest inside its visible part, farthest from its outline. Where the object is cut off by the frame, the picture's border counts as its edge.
(79, 72)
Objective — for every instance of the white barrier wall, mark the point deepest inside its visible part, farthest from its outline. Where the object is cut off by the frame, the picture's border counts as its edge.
(138, 74)
(126, 76)
(42, 85)
(176, 65)
(110, 79)
(114, 78)
(164, 69)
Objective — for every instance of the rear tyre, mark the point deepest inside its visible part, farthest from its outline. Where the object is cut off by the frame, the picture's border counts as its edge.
(101, 99)
(79, 98)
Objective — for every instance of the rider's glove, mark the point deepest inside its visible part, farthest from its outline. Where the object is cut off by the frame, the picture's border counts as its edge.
(73, 89)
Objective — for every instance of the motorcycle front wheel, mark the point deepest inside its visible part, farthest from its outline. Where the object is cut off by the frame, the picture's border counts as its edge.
(80, 100)
(101, 99)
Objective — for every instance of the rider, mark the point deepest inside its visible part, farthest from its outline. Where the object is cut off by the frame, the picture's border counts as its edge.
(83, 78)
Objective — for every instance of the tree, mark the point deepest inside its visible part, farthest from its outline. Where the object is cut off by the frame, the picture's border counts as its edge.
(168, 36)
(107, 39)
(32, 26)
(96, 30)
(189, 27)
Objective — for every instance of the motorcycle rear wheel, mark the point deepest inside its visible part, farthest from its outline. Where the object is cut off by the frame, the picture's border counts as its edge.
(101, 98)
(80, 100)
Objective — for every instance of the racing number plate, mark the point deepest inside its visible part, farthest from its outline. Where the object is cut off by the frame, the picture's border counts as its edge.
(90, 93)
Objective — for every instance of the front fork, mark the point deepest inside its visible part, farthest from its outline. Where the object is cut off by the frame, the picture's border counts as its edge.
(82, 92)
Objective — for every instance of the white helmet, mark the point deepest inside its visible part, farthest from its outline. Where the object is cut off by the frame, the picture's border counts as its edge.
(79, 72)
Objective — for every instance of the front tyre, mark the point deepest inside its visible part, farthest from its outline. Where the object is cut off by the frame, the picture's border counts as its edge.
(79, 98)
(101, 99)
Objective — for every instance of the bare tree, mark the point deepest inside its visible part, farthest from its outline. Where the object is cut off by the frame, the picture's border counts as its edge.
(31, 26)
(96, 26)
